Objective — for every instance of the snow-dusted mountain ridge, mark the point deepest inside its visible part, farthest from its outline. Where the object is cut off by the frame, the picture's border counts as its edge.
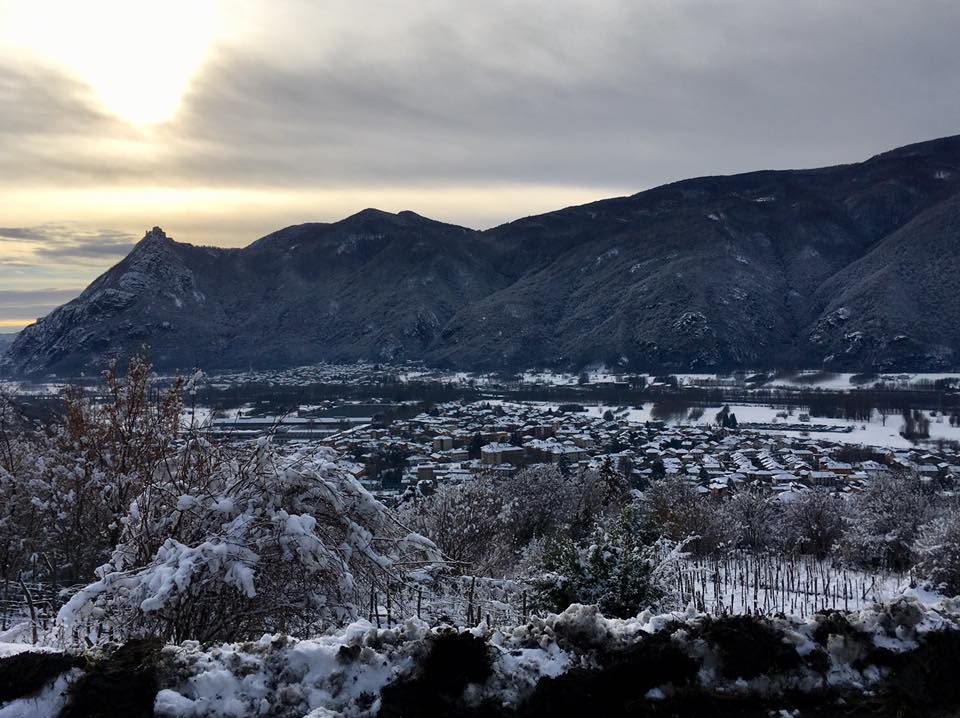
(852, 267)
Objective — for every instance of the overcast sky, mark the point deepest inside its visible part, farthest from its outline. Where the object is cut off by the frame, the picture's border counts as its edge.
(223, 121)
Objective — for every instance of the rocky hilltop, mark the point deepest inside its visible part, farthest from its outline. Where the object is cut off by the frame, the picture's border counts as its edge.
(849, 267)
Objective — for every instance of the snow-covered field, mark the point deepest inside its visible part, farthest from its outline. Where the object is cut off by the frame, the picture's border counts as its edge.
(871, 433)
(805, 379)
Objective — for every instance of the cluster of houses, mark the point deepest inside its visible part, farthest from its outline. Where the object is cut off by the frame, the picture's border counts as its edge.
(455, 442)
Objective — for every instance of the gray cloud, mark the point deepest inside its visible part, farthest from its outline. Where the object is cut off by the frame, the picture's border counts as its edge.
(21, 233)
(33, 304)
(603, 93)
(20, 305)
(608, 93)
(66, 241)
(15, 298)
(64, 252)
(25, 313)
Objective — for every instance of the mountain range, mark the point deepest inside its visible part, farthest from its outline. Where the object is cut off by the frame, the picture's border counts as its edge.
(851, 267)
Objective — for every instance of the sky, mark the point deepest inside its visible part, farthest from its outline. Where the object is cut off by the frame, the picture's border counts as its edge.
(223, 120)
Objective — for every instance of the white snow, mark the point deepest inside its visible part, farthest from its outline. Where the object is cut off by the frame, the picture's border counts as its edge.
(344, 672)
(47, 703)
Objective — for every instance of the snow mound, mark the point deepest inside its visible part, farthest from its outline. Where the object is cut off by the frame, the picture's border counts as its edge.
(349, 673)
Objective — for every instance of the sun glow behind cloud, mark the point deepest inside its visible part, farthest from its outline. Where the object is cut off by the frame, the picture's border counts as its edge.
(137, 56)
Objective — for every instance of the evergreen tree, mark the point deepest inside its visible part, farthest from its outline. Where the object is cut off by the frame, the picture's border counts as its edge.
(658, 470)
(615, 570)
(473, 451)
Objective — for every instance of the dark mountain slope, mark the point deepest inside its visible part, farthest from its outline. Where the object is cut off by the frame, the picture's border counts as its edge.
(159, 294)
(897, 306)
(6, 340)
(853, 265)
(708, 273)
(374, 285)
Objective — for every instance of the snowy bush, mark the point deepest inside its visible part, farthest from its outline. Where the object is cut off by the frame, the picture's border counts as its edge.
(65, 491)
(262, 542)
(615, 570)
(485, 524)
(672, 509)
(184, 538)
(938, 551)
(813, 523)
(885, 521)
(18, 512)
(753, 517)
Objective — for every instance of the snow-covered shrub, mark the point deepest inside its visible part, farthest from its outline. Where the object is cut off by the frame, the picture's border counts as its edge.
(615, 570)
(204, 540)
(754, 517)
(938, 551)
(255, 541)
(19, 517)
(672, 509)
(813, 523)
(66, 489)
(885, 521)
(465, 521)
(485, 524)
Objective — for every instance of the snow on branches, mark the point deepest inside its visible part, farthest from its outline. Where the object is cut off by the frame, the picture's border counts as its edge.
(228, 541)
(264, 542)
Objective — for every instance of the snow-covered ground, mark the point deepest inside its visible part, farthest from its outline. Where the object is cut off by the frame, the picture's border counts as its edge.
(345, 673)
(29, 388)
(871, 433)
(743, 583)
(804, 379)
(13, 648)
(45, 704)
(841, 381)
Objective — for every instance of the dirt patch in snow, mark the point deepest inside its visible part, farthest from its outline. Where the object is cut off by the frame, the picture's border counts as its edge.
(747, 646)
(453, 661)
(620, 687)
(122, 683)
(25, 674)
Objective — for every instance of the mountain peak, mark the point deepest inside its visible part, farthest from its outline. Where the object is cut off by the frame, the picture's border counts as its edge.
(370, 213)
(156, 235)
(155, 249)
(153, 241)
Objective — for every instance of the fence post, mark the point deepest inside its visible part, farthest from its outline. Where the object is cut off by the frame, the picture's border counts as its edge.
(33, 611)
(473, 585)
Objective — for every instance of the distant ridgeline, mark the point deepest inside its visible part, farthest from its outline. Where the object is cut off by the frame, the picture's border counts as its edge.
(851, 267)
